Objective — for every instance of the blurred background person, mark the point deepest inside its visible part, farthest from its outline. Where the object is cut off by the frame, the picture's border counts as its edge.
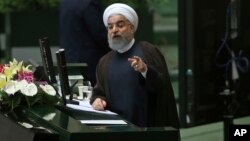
(82, 33)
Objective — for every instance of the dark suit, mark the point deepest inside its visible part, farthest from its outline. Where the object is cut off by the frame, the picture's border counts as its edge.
(82, 33)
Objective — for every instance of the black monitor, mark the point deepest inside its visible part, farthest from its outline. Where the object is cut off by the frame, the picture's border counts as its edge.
(63, 78)
(47, 60)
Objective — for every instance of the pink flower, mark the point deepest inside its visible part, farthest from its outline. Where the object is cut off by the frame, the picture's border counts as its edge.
(25, 76)
(1, 68)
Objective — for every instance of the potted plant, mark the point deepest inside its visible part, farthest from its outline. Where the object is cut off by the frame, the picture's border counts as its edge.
(19, 88)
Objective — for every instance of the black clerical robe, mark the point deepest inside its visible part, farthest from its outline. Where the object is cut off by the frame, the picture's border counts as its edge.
(162, 109)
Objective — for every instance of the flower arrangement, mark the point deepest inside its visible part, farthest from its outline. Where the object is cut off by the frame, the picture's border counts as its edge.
(19, 88)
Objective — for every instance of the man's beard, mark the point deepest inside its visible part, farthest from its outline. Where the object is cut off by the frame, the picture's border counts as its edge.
(118, 43)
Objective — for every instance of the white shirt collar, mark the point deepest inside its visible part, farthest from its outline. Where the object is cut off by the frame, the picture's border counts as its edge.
(127, 47)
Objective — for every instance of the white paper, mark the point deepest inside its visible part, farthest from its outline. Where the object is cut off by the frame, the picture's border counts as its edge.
(88, 107)
(103, 122)
(84, 103)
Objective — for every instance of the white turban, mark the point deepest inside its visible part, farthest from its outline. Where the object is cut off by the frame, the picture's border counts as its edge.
(123, 9)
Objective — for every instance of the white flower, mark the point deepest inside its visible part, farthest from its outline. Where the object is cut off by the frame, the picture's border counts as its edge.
(21, 84)
(10, 87)
(29, 90)
(48, 89)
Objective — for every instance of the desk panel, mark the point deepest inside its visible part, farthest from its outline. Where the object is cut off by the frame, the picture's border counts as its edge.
(71, 129)
(10, 130)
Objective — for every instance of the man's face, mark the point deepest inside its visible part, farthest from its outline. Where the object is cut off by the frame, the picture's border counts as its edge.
(120, 31)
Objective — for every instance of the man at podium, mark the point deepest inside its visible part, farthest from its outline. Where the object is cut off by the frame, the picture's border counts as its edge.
(133, 78)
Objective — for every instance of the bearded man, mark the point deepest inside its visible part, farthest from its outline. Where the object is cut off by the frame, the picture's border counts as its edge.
(133, 79)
